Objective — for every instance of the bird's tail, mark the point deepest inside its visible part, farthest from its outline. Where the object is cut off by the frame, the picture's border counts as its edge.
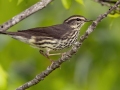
(1, 32)
(15, 36)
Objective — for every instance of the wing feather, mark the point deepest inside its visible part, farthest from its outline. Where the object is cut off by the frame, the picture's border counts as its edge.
(55, 31)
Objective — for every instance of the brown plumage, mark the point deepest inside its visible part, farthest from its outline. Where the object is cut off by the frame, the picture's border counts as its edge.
(55, 31)
(54, 37)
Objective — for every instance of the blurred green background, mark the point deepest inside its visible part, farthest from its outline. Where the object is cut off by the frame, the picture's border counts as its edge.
(94, 67)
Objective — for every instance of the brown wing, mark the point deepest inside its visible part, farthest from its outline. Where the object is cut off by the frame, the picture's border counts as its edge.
(55, 31)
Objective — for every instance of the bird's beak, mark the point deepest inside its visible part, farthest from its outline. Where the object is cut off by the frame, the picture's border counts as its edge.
(88, 20)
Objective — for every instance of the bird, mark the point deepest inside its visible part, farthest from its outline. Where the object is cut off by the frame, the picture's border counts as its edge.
(51, 38)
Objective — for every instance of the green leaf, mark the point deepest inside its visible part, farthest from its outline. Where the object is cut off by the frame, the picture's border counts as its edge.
(80, 1)
(66, 3)
(10, 0)
(19, 1)
(114, 16)
(3, 79)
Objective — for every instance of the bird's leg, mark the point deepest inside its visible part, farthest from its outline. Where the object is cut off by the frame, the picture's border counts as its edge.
(45, 54)
(54, 54)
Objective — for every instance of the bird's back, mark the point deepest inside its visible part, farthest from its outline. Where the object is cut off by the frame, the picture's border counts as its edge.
(55, 31)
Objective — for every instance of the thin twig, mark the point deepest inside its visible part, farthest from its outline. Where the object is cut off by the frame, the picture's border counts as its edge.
(38, 6)
(107, 3)
(68, 54)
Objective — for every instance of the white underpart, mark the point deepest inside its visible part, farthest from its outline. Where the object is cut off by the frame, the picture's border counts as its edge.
(52, 41)
(32, 40)
(23, 39)
(47, 44)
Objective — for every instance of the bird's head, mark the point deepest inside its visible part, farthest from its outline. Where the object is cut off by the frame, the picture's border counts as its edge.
(76, 21)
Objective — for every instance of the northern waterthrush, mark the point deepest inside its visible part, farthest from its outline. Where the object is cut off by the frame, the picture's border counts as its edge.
(54, 37)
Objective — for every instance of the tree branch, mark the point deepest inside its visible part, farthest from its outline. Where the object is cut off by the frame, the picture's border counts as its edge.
(107, 3)
(68, 54)
(38, 6)
(110, 3)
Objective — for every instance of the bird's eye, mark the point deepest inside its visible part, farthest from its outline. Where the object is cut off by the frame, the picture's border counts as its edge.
(78, 19)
